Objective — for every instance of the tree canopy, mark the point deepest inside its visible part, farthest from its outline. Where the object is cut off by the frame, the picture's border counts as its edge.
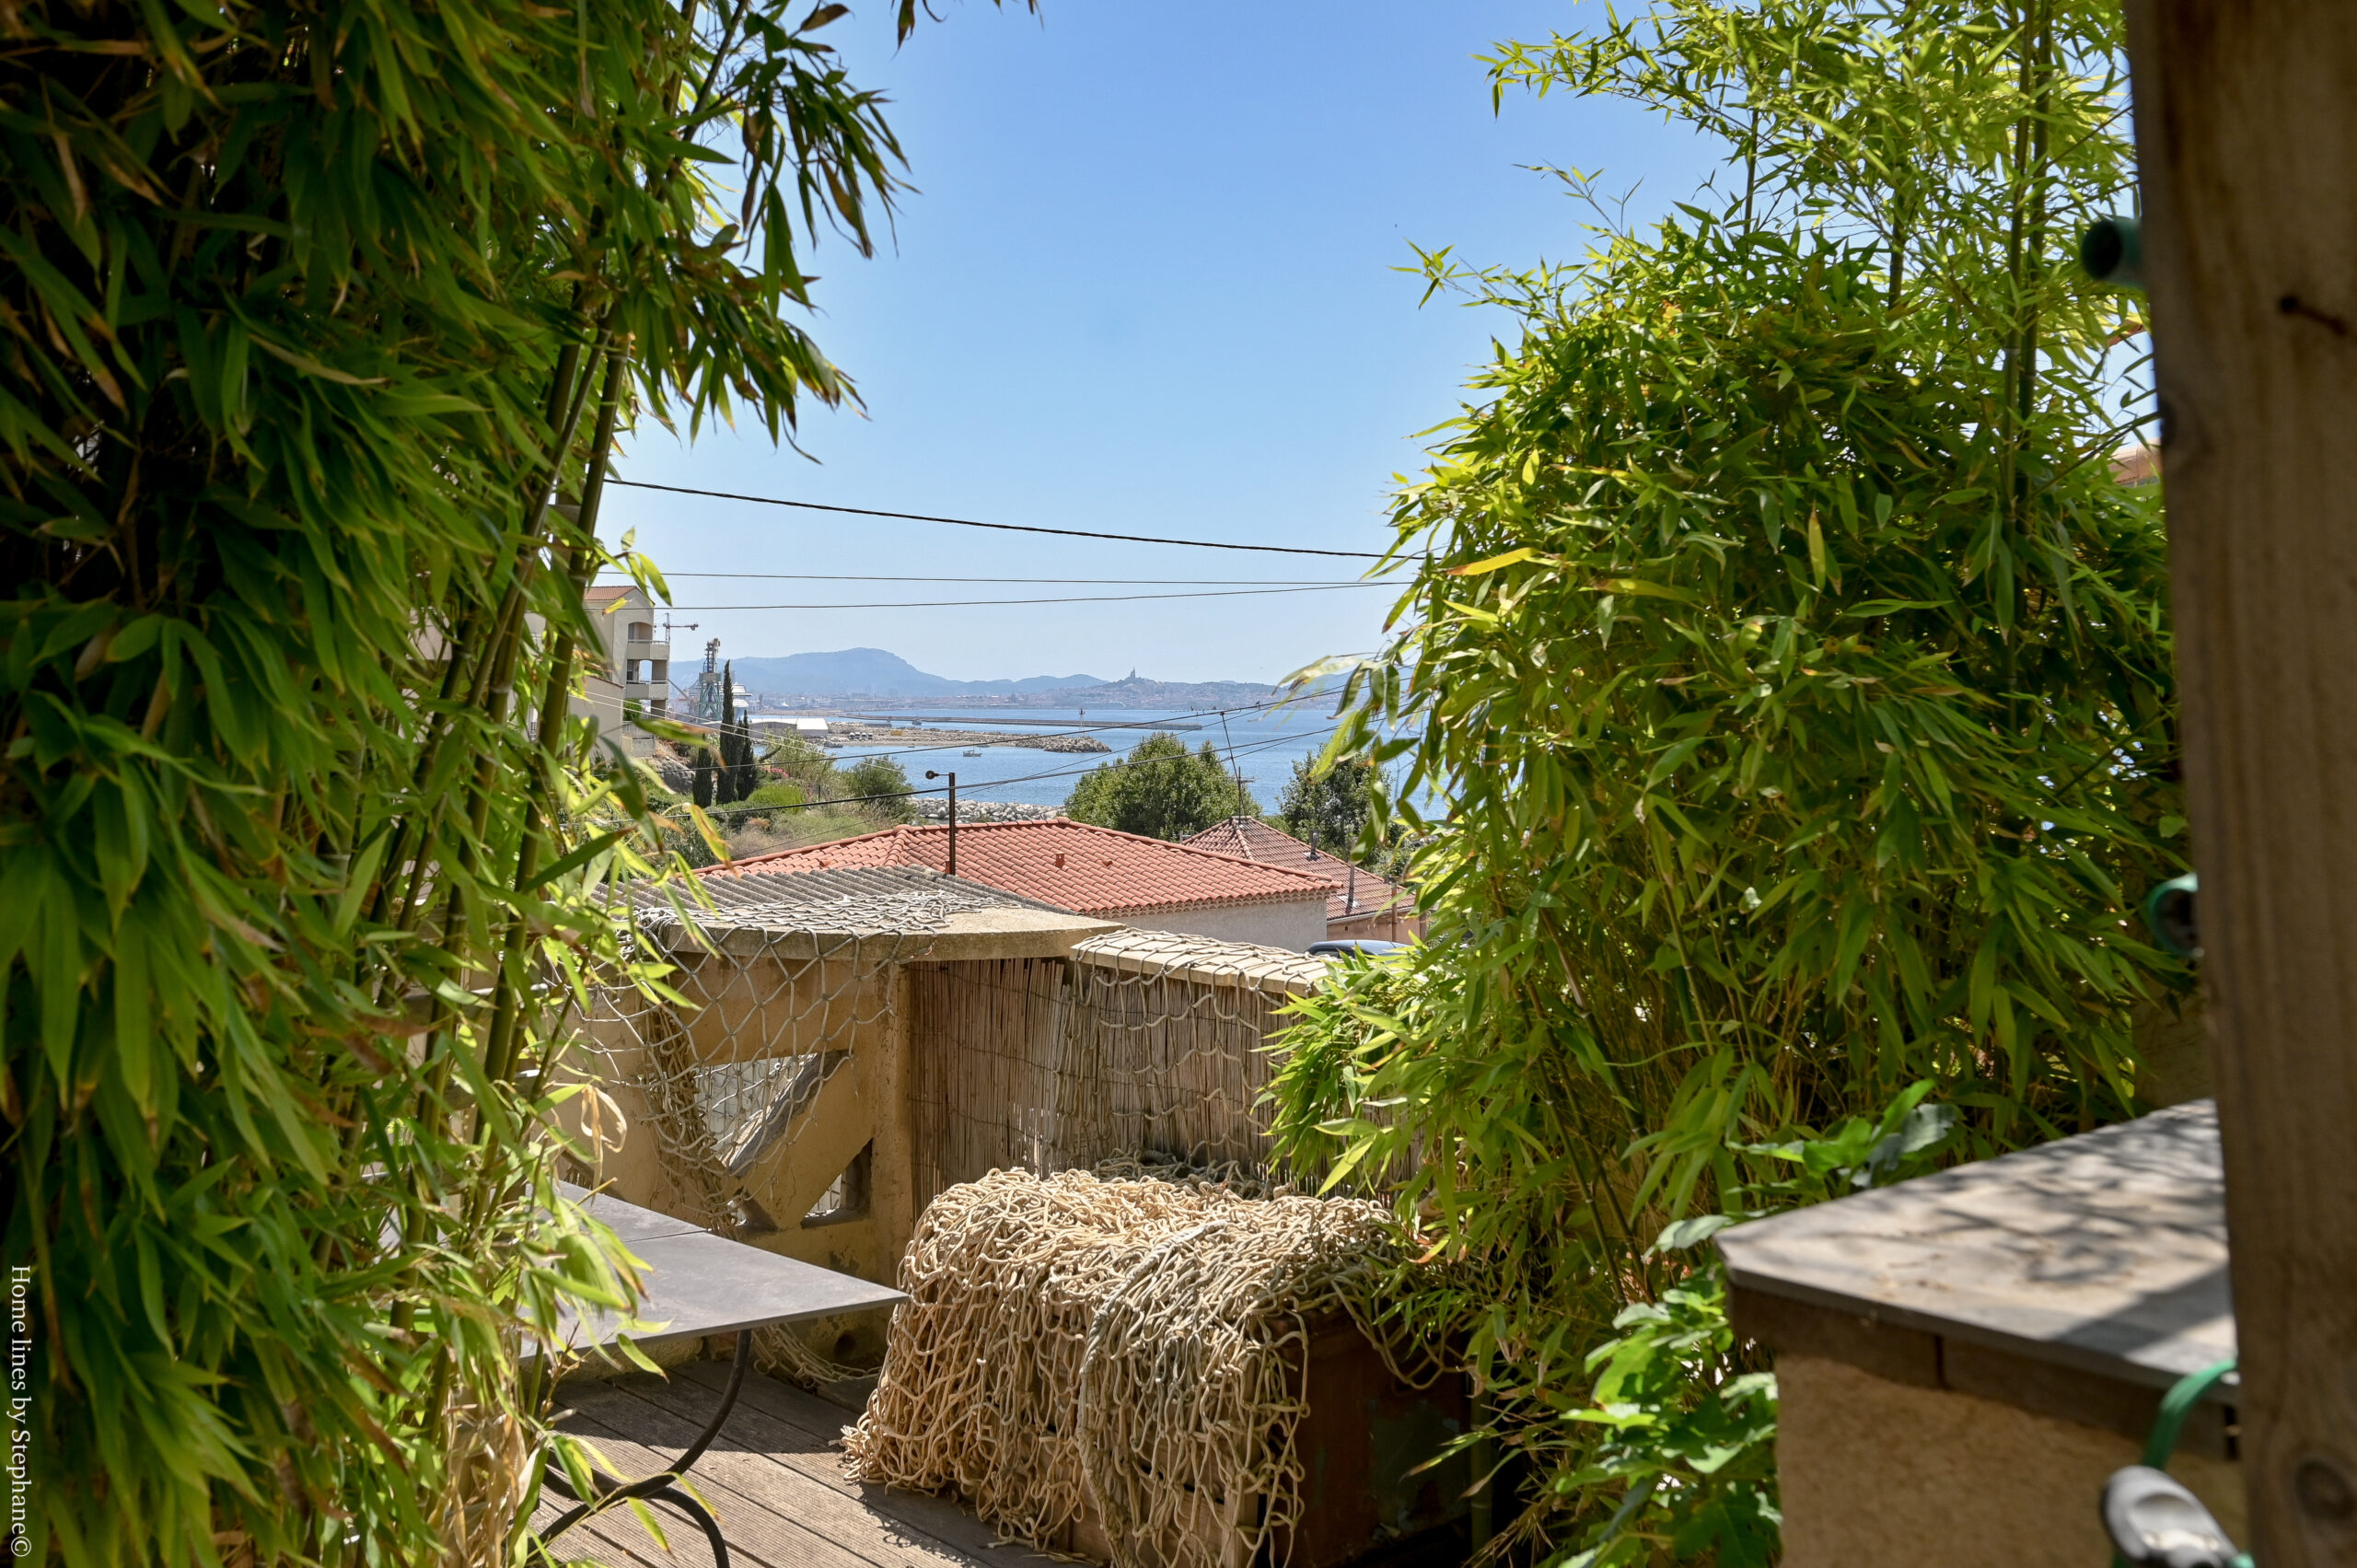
(1330, 806)
(1161, 790)
(881, 784)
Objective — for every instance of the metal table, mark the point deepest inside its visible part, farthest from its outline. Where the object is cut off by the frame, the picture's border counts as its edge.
(698, 1284)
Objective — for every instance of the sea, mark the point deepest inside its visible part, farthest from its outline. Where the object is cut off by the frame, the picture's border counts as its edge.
(1264, 744)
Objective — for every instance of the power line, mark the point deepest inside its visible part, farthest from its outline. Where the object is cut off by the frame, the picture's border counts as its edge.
(1261, 745)
(1108, 582)
(1265, 706)
(1092, 730)
(1273, 742)
(1006, 527)
(1071, 598)
(740, 807)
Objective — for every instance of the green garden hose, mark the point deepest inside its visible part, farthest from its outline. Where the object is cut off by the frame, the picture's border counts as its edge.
(2169, 1424)
(2176, 1405)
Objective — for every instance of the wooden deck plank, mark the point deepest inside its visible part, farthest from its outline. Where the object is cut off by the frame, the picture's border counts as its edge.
(819, 1425)
(739, 1465)
(802, 1432)
(817, 1419)
(758, 1530)
(734, 1468)
(616, 1543)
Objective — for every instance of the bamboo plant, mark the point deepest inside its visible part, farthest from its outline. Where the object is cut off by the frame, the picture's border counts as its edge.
(318, 325)
(1795, 679)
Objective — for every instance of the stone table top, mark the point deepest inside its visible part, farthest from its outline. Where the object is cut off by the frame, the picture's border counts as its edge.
(2105, 1252)
(699, 1283)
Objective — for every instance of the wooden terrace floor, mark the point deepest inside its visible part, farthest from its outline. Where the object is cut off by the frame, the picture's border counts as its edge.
(774, 1477)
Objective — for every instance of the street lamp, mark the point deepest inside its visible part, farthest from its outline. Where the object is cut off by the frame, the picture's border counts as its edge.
(953, 816)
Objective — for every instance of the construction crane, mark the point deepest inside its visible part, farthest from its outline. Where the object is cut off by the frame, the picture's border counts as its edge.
(708, 703)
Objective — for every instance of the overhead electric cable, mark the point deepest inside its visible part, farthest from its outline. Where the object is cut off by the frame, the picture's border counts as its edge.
(1082, 727)
(741, 807)
(1005, 527)
(1104, 582)
(962, 745)
(1272, 742)
(1262, 744)
(1070, 598)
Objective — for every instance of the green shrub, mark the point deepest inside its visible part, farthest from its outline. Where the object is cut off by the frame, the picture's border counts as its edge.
(1797, 683)
(881, 784)
(1329, 807)
(1160, 790)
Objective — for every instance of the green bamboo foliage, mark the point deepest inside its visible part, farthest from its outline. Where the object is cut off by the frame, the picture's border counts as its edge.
(309, 310)
(1797, 680)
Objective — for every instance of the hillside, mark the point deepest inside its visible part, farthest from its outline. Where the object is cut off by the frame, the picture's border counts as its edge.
(1134, 691)
(859, 673)
(873, 672)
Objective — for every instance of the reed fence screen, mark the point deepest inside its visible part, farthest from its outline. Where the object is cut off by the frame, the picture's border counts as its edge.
(1142, 1043)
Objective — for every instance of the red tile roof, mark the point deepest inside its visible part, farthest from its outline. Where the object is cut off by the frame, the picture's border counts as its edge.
(1072, 866)
(1249, 838)
(605, 595)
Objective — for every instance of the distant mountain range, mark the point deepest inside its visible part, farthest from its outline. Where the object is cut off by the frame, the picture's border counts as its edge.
(873, 672)
(859, 673)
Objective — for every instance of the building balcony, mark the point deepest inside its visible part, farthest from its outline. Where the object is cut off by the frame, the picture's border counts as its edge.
(644, 692)
(634, 650)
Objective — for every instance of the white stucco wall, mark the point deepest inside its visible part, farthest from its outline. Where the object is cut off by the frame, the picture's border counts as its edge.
(1292, 926)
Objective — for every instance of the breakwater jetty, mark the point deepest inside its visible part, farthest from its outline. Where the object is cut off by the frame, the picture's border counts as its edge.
(850, 732)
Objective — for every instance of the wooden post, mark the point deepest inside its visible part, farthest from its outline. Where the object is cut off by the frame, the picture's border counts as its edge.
(893, 1167)
(2246, 131)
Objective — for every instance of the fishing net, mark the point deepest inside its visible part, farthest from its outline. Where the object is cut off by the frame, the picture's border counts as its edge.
(722, 1106)
(782, 983)
(1125, 1356)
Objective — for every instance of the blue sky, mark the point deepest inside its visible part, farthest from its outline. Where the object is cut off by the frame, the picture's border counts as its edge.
(1147, 284)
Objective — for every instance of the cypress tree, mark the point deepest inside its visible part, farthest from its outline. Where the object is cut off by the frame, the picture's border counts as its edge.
(736, 780)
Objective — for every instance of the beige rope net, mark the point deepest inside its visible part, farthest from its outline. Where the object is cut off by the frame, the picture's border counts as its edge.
(1119, 1354)
(1118, 1358)
(781, 982)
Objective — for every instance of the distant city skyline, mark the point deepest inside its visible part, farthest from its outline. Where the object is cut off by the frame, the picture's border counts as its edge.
(1147, 284)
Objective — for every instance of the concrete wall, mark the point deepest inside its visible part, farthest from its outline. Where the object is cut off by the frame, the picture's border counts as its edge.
(1391, 926)
(1878, 1471)
(602, 702)
(1292, 926)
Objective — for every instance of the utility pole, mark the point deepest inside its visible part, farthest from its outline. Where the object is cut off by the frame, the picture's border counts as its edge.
(1233, 772)
(953, 816)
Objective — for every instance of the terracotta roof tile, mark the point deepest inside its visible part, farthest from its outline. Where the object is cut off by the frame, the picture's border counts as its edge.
(1249, 838)
(1072, 866)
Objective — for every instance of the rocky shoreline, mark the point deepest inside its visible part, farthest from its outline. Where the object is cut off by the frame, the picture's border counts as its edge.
(933, 808)
(841, 734)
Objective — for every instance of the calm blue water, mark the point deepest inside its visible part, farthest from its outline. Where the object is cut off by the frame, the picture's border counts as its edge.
(1266, 745)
